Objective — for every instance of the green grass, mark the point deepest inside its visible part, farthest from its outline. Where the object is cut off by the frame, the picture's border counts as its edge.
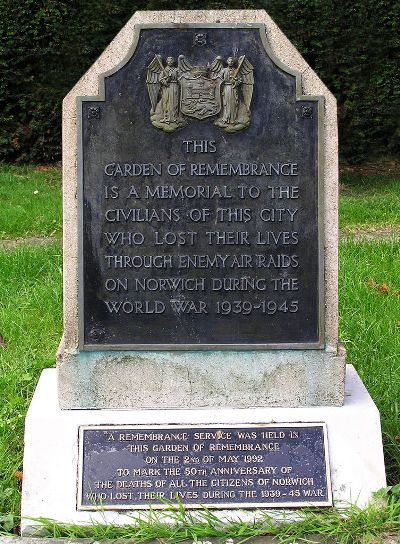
(30, 202)
(369, 294)
(30, 327)
(178, 525)
(369, 200)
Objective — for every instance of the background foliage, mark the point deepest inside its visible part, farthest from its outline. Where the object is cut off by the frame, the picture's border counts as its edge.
(46, 45)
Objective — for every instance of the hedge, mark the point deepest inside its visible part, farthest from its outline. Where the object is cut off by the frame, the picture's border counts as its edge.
(46, 45)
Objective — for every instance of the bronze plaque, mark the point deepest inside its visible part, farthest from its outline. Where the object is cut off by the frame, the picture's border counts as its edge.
(199, 192)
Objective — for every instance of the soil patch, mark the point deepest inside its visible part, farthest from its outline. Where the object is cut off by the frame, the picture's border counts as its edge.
(33, 241)
(380, 168)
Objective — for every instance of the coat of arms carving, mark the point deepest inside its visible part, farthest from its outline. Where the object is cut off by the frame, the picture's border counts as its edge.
(180, 92)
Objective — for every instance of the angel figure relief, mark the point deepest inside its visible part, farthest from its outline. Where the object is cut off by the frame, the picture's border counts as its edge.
(222, 93)
(237, 92)
(163, 88)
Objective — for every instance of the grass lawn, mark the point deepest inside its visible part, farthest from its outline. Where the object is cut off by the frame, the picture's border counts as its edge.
(31, 327)
(369, 295)
(367, 201)
(30, 202)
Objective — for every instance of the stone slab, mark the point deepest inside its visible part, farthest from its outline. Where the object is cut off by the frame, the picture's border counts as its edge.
(51, 448)
(195, 379)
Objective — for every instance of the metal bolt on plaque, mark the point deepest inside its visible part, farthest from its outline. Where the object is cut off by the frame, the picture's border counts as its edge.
(200, 38)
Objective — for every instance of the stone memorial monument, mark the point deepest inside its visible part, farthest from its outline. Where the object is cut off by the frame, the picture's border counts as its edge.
(200, 358)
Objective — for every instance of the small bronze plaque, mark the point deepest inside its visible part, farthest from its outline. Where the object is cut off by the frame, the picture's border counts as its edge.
(274, 465)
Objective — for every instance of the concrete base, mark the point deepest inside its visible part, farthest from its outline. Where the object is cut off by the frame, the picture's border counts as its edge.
(51, 448)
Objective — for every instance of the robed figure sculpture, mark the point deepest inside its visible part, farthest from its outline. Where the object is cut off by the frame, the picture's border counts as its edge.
(237, 92)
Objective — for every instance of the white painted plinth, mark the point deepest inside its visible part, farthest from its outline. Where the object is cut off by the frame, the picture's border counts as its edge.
(51, 448)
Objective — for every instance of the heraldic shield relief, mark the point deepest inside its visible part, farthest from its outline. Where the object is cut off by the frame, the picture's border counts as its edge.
(183, 91)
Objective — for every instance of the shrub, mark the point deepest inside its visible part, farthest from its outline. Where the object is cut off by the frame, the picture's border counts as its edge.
(46, 45)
